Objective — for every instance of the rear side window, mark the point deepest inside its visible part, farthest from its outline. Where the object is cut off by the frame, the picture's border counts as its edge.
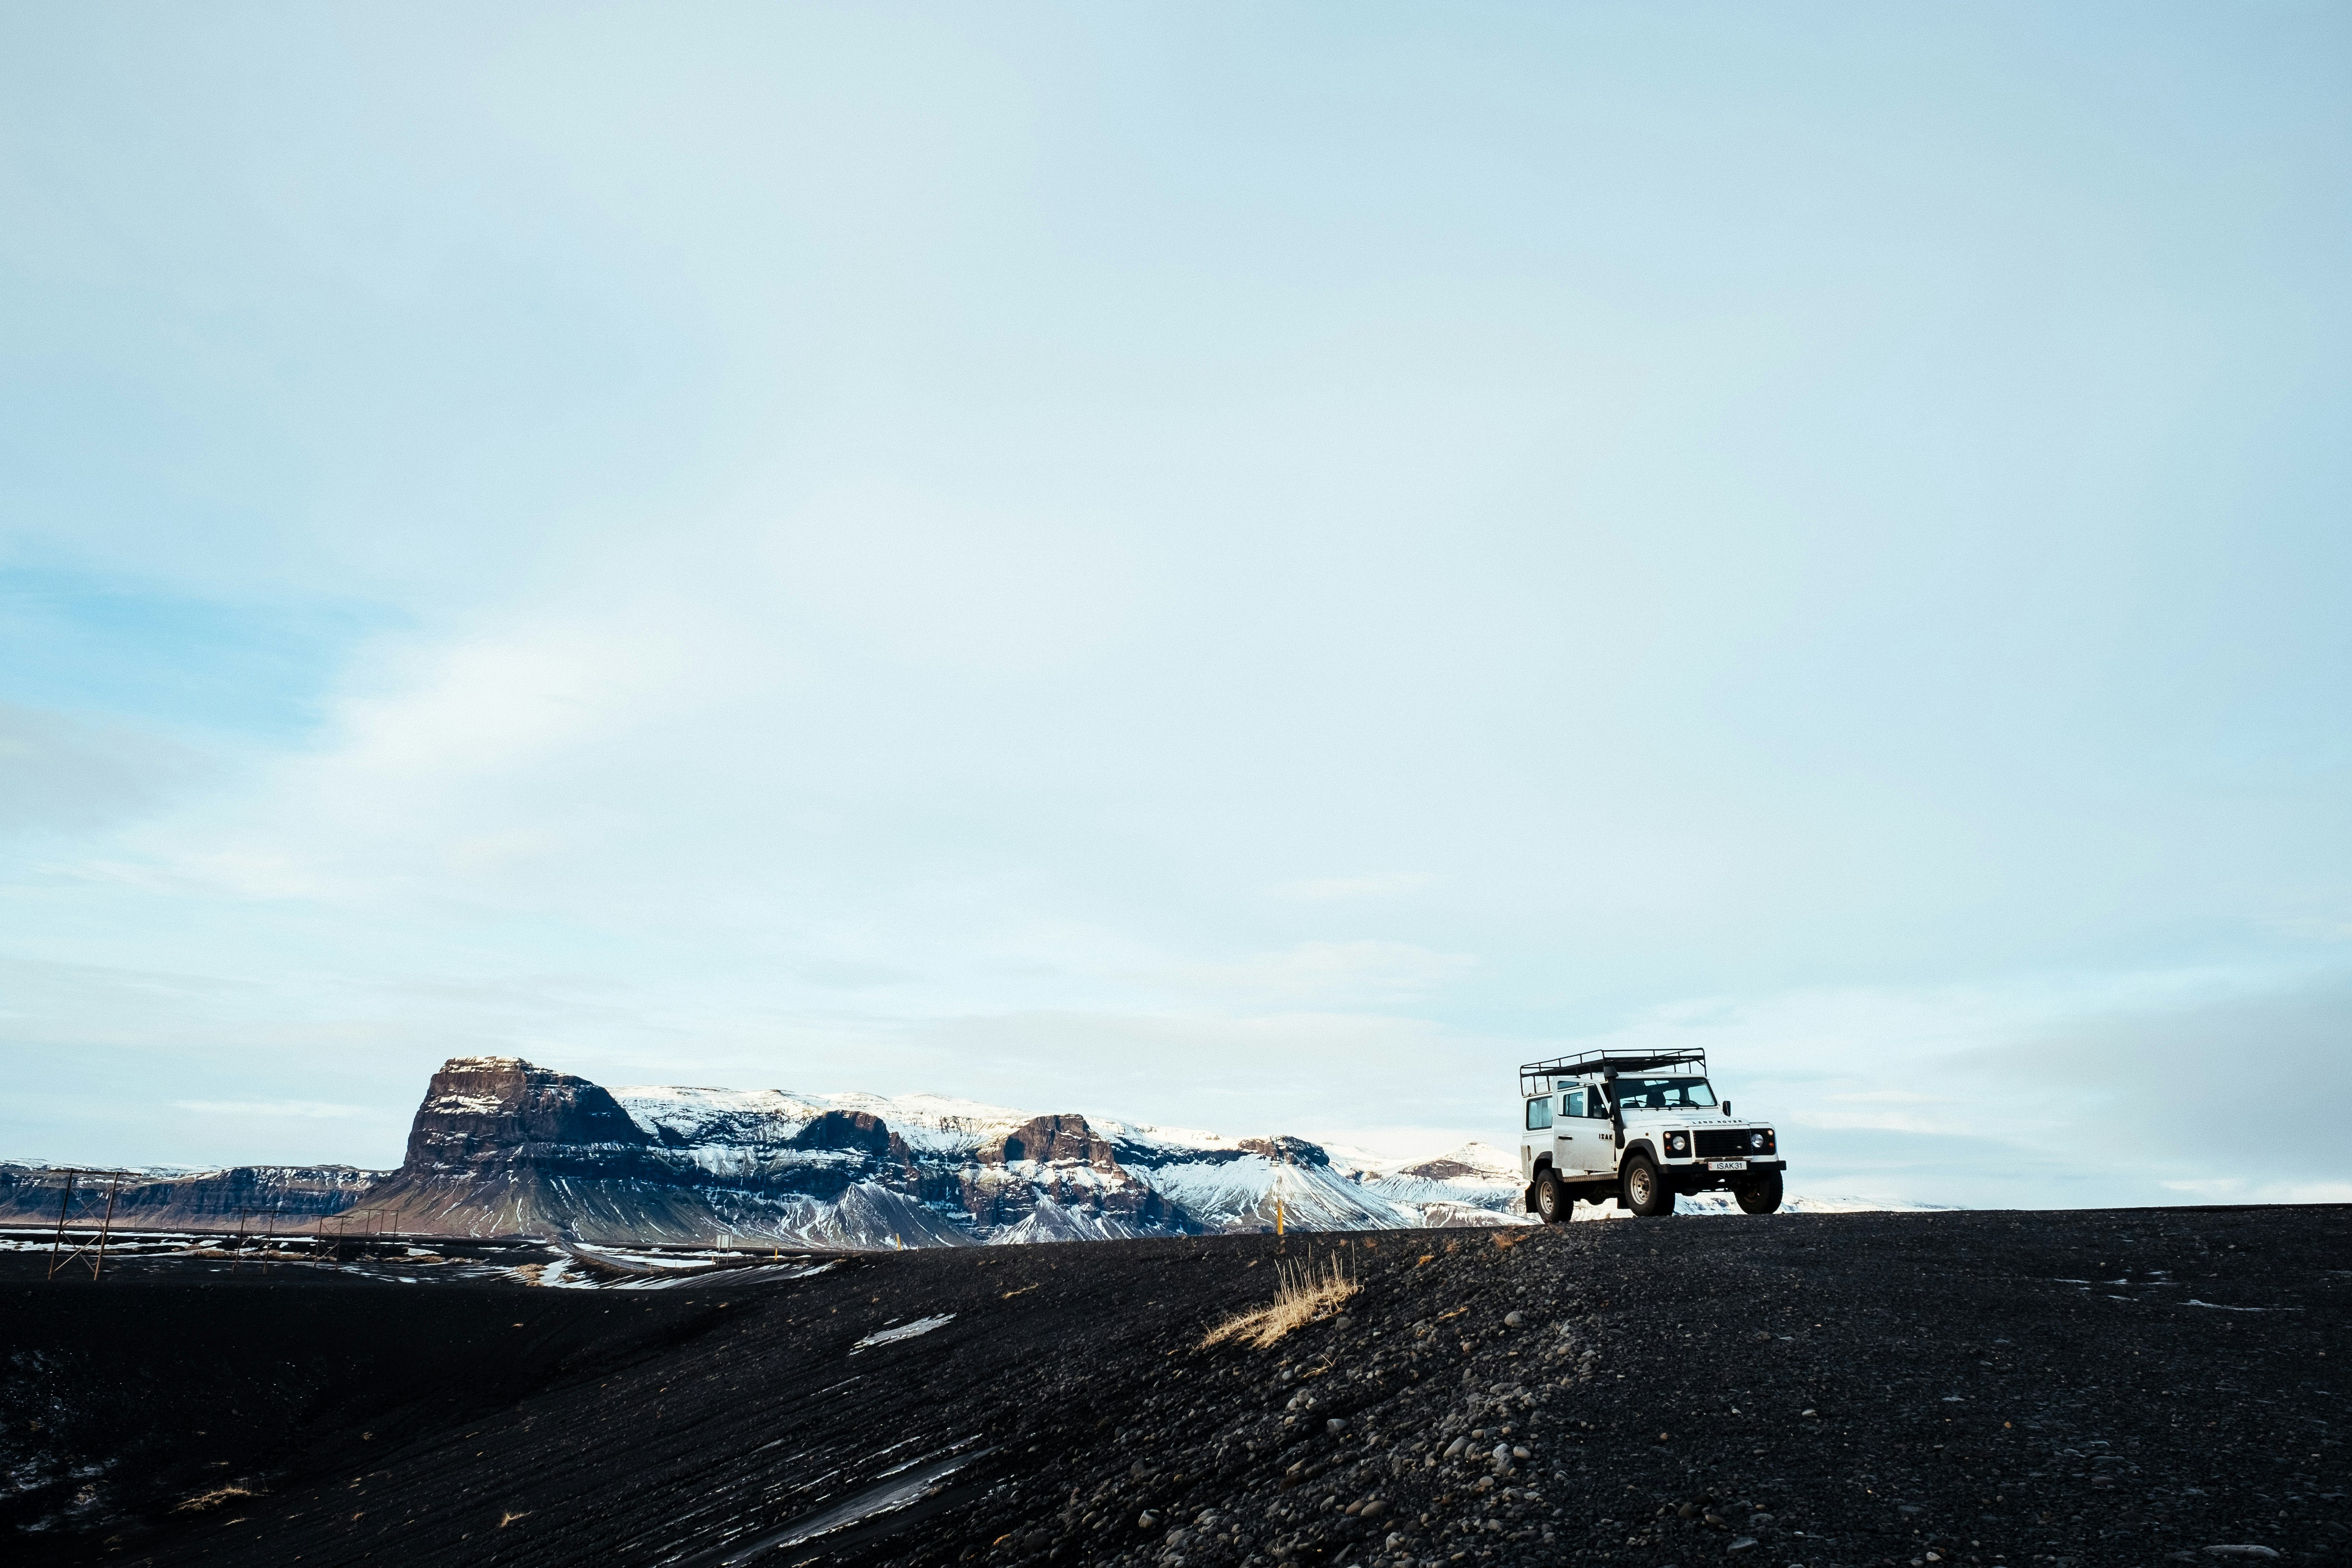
(1539, 1114)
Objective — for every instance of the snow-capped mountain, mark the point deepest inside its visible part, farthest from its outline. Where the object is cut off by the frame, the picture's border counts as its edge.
(500, 1147)
(1476, 1183)
(1002, 1174)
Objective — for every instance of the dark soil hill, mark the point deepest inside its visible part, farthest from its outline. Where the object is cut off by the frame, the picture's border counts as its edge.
(2032, 1390)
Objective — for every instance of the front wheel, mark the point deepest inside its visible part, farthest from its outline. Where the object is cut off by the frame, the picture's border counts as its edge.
(1759, 1194)
(1646, 1194)
(1553, 1200)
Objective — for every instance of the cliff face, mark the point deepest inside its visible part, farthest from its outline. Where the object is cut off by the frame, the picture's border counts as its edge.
(1046, 1140)
(1057, 1166)
(1288, 1151)
(851, 1131)
(487, 1113)
(261, 1198)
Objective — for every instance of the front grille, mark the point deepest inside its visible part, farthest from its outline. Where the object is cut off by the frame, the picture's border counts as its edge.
(1725, 1143)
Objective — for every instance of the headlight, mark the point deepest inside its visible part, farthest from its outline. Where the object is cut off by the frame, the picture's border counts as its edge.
(1756, 1139)
(1676, 1144)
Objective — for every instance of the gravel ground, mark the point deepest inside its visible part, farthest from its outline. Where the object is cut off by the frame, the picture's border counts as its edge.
(1872, 1390)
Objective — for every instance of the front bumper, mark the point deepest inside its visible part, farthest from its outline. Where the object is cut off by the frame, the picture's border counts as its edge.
(1693, 1176)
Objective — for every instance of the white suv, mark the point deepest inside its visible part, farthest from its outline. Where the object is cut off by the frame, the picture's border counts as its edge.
(1638, 1129)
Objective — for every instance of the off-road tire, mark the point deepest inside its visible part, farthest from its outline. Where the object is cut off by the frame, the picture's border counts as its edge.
(1760, 1193)
(1553, 1201)
(1646, 1192)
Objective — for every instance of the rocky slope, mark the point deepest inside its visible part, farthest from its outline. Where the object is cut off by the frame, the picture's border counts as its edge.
(2101, 1390)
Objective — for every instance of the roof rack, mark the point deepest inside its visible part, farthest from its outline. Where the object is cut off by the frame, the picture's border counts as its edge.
(1611, 1063)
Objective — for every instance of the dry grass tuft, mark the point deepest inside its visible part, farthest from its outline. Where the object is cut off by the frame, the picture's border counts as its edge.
(1507, 1239)
(1304, 1295)
(212, 1498)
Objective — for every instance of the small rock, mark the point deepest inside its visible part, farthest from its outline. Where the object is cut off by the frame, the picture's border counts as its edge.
(1454, 1449)
(1514, 1320)
(1744, 1543)
(2265, 1553)
(1178, 1536)
(1374, 1509)
(1342, 1320)
(1335, 1426)
(1146, 1519)
(1688, 1511)
(1520, 1454)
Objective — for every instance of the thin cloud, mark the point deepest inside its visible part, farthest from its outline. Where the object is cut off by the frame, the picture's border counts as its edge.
(309, 1110)
(1327, 890)
(2238, 1190)
(1331, 971)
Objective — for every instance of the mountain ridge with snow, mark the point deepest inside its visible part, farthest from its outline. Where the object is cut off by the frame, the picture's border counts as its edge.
(499, 1146)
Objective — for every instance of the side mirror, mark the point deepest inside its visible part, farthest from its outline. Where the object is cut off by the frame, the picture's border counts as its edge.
(1727, 1108)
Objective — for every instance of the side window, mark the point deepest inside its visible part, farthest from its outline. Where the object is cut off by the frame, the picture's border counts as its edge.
(1597, 1105)
(1539, 1114)
(1572, 1104)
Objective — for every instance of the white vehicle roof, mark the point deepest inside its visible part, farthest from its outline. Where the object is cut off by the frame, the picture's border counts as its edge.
(1566, 1072)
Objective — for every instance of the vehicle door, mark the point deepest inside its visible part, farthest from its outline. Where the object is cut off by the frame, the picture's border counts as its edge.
(1572, 1142)
(1537, 1139)
(1598, 1132)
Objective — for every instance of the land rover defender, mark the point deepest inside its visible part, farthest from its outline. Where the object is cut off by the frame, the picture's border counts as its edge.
(1638, 1129)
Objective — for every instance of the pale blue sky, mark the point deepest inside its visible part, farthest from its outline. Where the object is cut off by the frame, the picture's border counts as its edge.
(1249, 566)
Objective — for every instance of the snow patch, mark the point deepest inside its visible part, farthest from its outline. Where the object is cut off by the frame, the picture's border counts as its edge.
(903, 1331)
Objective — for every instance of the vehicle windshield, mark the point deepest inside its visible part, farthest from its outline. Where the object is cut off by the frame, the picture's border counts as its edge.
(1663, 1093)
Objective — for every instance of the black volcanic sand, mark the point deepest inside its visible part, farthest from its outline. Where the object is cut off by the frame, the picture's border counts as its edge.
(2075, 1389)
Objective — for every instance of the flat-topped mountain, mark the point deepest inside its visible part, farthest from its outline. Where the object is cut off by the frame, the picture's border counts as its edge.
(485, 1111)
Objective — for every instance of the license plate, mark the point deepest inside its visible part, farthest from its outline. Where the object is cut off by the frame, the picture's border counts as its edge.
(1727, 1165)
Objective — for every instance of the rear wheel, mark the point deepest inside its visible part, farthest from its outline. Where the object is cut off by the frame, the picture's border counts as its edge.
(1553, 1200)
(1759, 1194)
(1646, 1194)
